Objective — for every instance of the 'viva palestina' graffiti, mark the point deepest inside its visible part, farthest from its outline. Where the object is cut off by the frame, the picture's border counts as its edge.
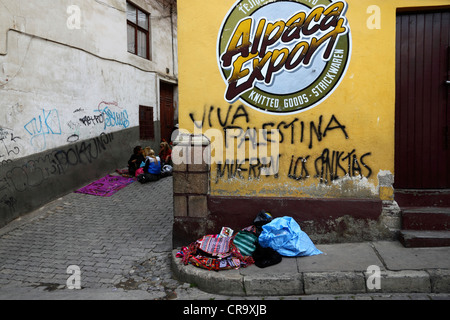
(293, 131)
(241, 150)
(283, 56)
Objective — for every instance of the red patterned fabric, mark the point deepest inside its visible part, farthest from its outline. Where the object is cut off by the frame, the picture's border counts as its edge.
(212, 252)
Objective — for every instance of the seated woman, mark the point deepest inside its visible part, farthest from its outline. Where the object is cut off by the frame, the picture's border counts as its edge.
(165, 153)
(152, 167)
(135, 160)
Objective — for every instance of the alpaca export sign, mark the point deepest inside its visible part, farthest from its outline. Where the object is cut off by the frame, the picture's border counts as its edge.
(283, 56)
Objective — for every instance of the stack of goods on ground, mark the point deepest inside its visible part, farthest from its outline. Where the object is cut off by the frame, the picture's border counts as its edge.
(263, 243)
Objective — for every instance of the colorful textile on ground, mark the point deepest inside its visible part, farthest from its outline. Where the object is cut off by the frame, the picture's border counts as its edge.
(214, 245)
(246, 241)
(216, 253)
(106, 186)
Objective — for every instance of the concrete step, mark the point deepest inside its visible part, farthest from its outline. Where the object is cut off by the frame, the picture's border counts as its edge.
(422, 197)
(418, 239)
(426, 218)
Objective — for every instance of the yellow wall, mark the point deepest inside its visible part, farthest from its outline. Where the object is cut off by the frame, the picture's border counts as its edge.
(364, 103)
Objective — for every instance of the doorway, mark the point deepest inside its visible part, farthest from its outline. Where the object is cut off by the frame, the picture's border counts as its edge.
(166, 105)
(422, 117)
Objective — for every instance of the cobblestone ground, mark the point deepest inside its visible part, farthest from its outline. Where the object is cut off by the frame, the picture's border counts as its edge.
(121, 244)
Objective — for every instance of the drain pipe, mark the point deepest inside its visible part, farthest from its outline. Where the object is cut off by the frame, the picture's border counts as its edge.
(173, 49)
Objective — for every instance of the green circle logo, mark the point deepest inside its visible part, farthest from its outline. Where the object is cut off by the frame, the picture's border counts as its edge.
(284, 56)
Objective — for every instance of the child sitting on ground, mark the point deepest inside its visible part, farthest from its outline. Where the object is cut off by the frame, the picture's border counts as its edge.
(152, 167)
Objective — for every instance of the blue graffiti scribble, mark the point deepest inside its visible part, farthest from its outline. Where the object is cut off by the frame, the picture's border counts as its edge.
(115, 119)
(43, 125)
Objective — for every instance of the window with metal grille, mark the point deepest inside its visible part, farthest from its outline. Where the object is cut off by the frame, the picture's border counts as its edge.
(146, 124)
(138, 31)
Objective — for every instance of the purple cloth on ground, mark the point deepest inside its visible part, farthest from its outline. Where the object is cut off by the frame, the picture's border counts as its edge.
(106, 186)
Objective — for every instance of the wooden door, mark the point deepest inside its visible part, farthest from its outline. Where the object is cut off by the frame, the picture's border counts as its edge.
(166, 110)
(422, 156)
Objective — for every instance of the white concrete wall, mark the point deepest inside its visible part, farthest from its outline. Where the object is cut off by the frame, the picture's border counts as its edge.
(60, 84)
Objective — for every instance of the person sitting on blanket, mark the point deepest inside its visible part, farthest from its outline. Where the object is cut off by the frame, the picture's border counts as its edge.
(152, 166)
(135, 160)
(165, 153)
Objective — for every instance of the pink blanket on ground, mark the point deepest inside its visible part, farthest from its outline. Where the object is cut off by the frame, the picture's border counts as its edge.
(106, 186)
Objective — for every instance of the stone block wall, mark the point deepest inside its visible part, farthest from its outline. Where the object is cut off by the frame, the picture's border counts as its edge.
(190, 186)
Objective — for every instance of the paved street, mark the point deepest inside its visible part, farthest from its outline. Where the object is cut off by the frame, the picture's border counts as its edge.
(121, 246)
(110, 239)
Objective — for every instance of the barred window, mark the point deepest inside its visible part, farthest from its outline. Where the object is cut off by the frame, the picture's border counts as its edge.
(146, 124)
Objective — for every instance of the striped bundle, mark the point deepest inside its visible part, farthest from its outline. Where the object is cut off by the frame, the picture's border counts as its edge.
(215, 245)
(245, 241)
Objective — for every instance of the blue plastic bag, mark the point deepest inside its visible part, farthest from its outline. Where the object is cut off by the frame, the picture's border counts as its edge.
(285, 236)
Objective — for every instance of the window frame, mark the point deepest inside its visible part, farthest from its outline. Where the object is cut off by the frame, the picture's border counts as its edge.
(135, 25)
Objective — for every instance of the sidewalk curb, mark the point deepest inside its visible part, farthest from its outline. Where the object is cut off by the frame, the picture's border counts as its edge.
(334, 282)
(241, 283)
